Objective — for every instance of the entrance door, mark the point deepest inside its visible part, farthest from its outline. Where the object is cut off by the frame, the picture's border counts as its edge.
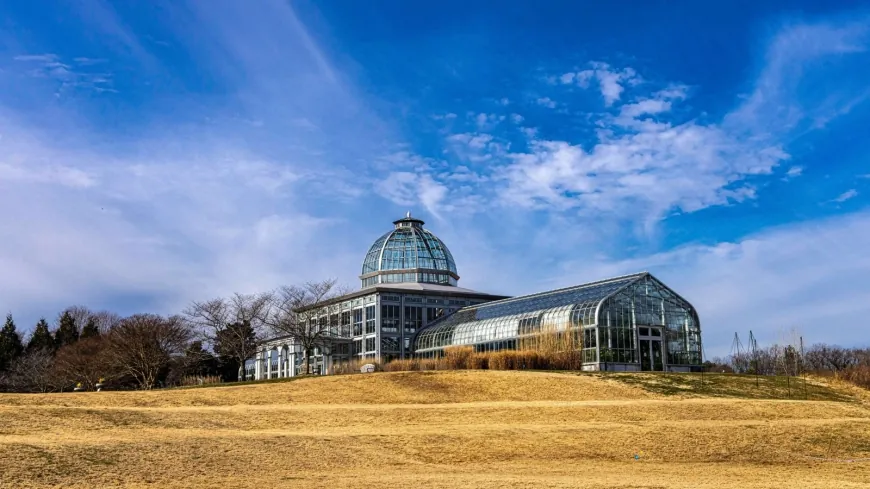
(651, 351)
(645, 355)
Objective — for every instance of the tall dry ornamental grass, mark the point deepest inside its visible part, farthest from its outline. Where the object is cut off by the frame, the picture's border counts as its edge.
(551, 350)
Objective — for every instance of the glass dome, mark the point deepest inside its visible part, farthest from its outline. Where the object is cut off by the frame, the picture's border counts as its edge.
(408, 253)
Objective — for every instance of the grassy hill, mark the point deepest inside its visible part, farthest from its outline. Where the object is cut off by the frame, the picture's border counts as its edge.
(446, 429)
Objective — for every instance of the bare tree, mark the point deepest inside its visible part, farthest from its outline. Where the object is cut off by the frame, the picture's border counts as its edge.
(34, 372)
(85, 361)
(104, 320)
(298, 312)
(233, 326)
(80, 315)
(830, 357)
(142, 345)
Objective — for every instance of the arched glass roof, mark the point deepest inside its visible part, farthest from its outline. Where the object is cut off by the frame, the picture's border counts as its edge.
(409, 253)
(512, 318)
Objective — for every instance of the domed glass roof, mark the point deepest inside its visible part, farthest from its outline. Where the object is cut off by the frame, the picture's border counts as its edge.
(408, 253)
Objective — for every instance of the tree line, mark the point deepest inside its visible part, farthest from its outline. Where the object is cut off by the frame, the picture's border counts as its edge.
(852, 364)
(213, 338)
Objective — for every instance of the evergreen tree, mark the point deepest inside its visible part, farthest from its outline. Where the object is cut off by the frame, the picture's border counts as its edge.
(67, 332)
(41, 338)
(10, 344)
(90, 330)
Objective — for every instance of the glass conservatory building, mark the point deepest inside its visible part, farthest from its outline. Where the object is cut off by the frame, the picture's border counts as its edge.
(409, 304)
(626, 323)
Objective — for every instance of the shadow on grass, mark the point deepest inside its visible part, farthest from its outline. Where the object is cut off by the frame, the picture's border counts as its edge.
(735, 386)
(247, 382)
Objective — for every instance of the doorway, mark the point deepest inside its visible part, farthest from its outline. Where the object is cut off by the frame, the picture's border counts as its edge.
(651, 351)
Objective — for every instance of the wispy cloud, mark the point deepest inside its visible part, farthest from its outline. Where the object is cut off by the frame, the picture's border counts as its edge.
(72, 75)
(847, 195)
(198, 199)
(792, 173)
(793, 93)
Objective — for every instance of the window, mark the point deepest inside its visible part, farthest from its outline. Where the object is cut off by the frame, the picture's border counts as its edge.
(389, 345)
(413, 319)
(370, 319)
(589, 338)
(345, 323)
(390, 319)
(530, 325)
(370, 344)
(357, 347)
(357, 322)
(333, 323)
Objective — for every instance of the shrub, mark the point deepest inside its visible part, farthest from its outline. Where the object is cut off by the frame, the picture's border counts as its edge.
(858, 375)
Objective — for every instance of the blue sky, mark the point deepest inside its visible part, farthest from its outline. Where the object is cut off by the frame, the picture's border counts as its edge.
(156, 153)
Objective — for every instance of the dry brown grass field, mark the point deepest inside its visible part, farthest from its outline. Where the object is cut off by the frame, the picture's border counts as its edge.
(460, 429)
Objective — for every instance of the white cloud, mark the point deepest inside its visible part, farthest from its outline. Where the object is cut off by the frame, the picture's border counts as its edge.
(409, 189)
(644, 170)
(517, 119)
(611, 83)
(487, 121)
(546, 102)
(649, 106)
(161, 231)
(794, 171)
(475, 147)
(847, 195)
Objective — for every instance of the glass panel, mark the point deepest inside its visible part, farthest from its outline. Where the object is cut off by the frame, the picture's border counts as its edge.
(657, 360)
(645, 355)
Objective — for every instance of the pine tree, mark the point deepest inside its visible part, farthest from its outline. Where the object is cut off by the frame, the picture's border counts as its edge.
(67, 332)
(41, 338)
(90, 330)
(10, 344)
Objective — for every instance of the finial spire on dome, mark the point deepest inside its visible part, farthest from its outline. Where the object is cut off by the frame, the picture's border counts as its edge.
(408, 215)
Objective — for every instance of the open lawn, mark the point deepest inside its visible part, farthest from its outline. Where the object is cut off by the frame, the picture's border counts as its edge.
(447, 430)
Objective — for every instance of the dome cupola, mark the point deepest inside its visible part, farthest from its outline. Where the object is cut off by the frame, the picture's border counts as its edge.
(408, 253)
